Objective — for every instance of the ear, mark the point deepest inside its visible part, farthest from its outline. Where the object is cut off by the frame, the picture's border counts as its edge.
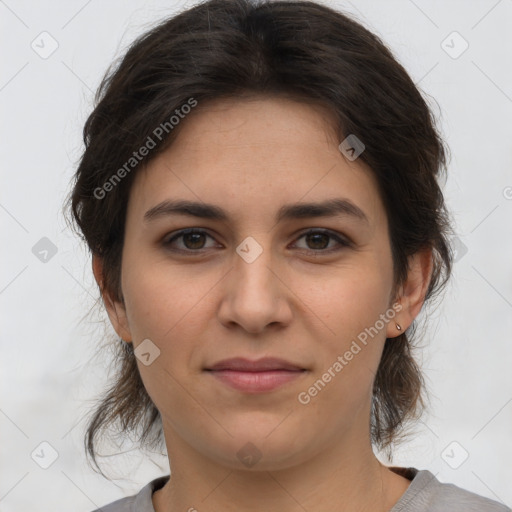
(115, 309)
(413, 291)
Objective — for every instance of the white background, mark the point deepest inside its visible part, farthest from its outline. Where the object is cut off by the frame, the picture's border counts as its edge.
(48, 377)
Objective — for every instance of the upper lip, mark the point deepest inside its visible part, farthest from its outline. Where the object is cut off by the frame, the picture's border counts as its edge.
(264, 364)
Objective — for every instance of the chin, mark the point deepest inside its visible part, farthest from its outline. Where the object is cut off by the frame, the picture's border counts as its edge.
(261, 449)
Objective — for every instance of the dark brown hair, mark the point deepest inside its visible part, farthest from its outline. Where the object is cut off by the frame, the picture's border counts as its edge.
(301, 50)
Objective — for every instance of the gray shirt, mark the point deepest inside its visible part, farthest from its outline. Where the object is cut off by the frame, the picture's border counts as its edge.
(424, 494)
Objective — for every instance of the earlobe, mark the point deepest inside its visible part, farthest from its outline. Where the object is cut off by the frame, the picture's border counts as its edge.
(396, 327)
(413, 291)
(97, 270)
(116, 310)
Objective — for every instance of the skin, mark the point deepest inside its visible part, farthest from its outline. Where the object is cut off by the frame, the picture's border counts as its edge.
(250, 157)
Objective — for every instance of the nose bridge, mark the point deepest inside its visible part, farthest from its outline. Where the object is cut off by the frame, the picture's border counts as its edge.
(252, 265)
(252, 297)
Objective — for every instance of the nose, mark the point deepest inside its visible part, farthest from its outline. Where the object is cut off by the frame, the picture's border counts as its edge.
(256, 294)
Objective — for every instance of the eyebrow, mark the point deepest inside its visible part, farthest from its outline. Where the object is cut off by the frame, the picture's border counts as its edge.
(329, 208)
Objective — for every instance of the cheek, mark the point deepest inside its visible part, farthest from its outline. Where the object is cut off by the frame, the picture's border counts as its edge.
(161, 300)
(347, 297)
(163, 305)
(350, 304)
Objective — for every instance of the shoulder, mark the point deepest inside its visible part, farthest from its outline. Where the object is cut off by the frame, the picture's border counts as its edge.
(140, 502)
(122, 505)
(427, 493)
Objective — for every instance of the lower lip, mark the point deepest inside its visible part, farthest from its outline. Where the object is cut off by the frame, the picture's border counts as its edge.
(256, 382)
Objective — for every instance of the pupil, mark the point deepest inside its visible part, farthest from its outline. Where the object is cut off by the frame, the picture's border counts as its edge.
(313, 236)
(188, 235)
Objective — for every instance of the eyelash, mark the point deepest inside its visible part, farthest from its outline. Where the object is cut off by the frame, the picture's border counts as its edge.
(341, 241)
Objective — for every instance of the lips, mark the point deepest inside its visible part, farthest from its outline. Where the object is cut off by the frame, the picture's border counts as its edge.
(265, 364)
(260, 376)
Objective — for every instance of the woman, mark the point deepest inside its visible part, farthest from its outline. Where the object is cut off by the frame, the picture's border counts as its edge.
(260, 195)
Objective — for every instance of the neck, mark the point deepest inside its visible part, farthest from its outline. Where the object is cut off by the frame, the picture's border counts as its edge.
(348, 477)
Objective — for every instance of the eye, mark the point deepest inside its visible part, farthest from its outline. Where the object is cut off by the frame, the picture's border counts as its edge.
(193, 240)
(319, 239)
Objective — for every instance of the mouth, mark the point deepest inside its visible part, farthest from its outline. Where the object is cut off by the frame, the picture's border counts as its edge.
(265, 364)
(259, 376)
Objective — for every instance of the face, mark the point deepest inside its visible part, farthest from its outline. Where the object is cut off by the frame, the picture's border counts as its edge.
(251, 285)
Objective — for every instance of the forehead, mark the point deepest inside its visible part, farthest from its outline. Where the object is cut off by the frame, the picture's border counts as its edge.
(254, 155)
(227, 120)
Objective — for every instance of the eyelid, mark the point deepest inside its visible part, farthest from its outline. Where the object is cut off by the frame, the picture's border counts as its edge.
(342, 240)
(175, 235)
